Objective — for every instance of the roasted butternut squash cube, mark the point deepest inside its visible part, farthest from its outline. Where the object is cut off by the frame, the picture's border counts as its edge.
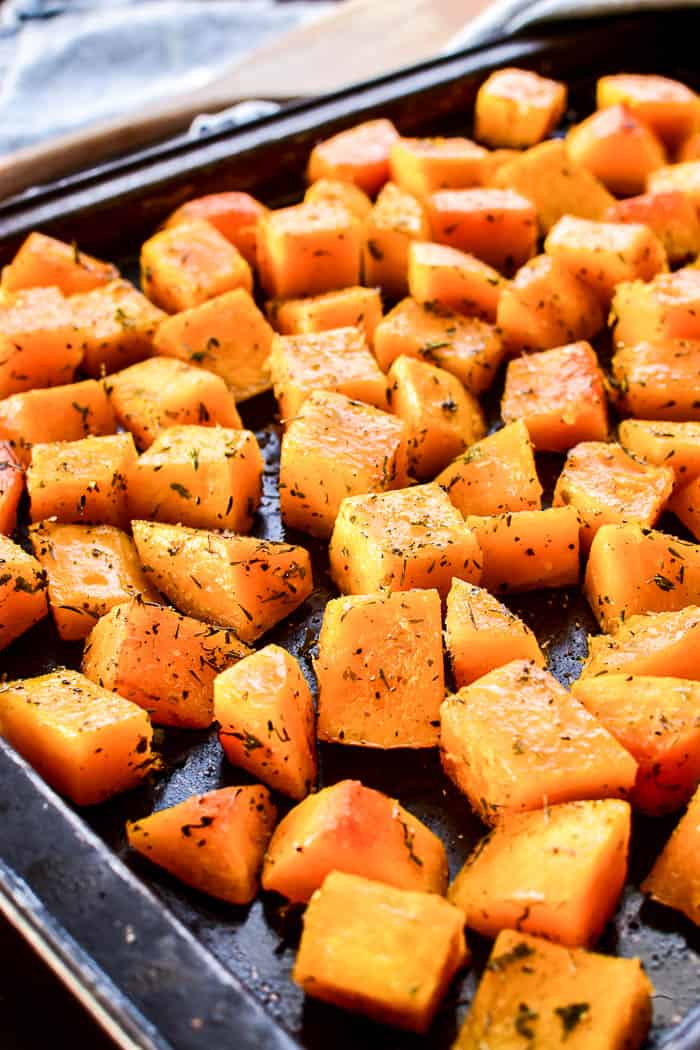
(395, 689)
(337, 447)
(82, 482)
(349, 307)
(359, 155)
(335, 191)
(665, 309)
(499, 226)
(675, 445)
(422, 166)
(453, 279)
(667, 106)
(44, 262)
(266, 720)
(240, 582)
(22, 592)
(352, 828)
(685, 504)
(184, 265)
(234, 214)
(397, 220)
(86, 742)
(517, 108)
(684, 177)
(670, 214)
(114, 325)
(675, 878)
(228, 336)
(557, 872)
(11, 487)
(58, 413)
(515, 740)
(528, 549)
(213, 842)
(39, 346)
(617, 148)
(658, 380)
(162, 661)
(662, 644)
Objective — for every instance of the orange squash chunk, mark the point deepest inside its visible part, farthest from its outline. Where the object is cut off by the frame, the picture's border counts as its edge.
(675, 878)
(234, 214)
(185, 265)
(240, 582)
(685, 504)
(658, 721)
(542, 994)
(380, 951)
(665, 309)
(499, 226)
(557, 872)
(11, 487)
(22, 592)
(337, 447)
(608, 487)
(397, 220)
(228, 336)
(86, 742)
(214, 842)
(441, 417)
(162, 661)
(453, 279)
(44, 262)
(684, 177)
(667, 106)
(546, 306)
(559, 395)
(162, 392)
(617, 148)
(206, 477)
(266, 720)
(676, 445)
(528, 549)
(400, 540)
(481, 634)
(114, 325)
(496, 475)
(517, 108)
(517, 740)
(59, 413)
(352, 828)
(345, 194)
(671, 216)
(82, 482)
(422, 166)
(338, 360)
(658, 380)
(38, 343)
(359, 155)
(381, 696)
(468, 347)
(661, 644)
(492, 163)
(349, 307)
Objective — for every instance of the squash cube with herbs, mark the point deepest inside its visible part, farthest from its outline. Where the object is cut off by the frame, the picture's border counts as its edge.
(668, 107)
(359, 155)
(39, 346)
(516, 107)
(22, 592)
(344, 194)
(498, 226)
(529, 549)
(58, 413)
(115, 326)
(670, 214)
(660, 644)
(657, 380)
(397, 220)
(355, 307)
(660, 311)
(684, 177)
(45, 262)
(674, 445)
(453, 279)
(616, 147)
(234, 214)
(422, 166)
(11, 487)
(675, 878)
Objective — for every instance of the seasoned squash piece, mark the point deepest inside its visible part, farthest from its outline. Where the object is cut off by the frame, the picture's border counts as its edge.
(675, 445)
(669, 213)
(481, 634)
(206, 477)
(87, 743)
(349, 307)
(38, 343)
(234, 214)
(397, 220)
(44, 262)
(227, 336)
(59, 413)
(336, 447)
(658, 721)
(685, 504)
(559, 396)
(345, 194)
(499, 226)
(608, 487)
(381, 696)
(517, 740)
(115, 326)
(162, 661)
(662, 644)
(351, 828)
(22, 593)
(665, 309)
(516, 107)
(239, 582)
(11, 487)
(617, 148)
(359, 155)
(658, 380)
(214, 842)
(266, 720)
(675, 878)
(528, 549)
(82, 482)
(185, 265)
(667, 106)
(557, 872)
(162, 392)
(684, 177)
(400, 540)
(422, 166)
(467, 347)
(453, 279)
(534, 993)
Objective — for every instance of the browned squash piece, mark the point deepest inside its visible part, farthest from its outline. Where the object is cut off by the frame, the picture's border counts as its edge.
(206, 477)
(453, 279)
(528, 549)
(11, 487)
(684, 177)
(517, 740)
(665, 309)
(22, 592)
(650, 644)
(214, 842)
(397, 220)
(240, 582)
(422, 166)
(44, 262)
(359, 155)
(345, 194)
(266, 720)
(38, 342)
(675, 445)
(658, 380)
(59, 413)
(557, 872)
(617, 148)
(234, 214)
(675, 878)
(670, 214)
(349, 307)
(667, 106)
(517, 108)
(86, 742)
(115, 326)
(381, 696)
(499, 226)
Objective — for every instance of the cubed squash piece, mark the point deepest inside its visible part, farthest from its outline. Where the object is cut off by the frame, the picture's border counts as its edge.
(528, 549)
(397, 220)
(87, 743)
(559, 396)
(670, 214)
(228, 336)
(662, 644)
(240, 582)
(665, 309)
(616, 147)
(337, 447)
(22, 592)
(44, 262)
(684, 177)
(161, 660)
(206, 477)
(213, 842)
(359, 155)
(349, 307)
(453, 279)
(481, 634)
(400, 540)
(82, 482)
(658, 380)
(517, 107)
(557, 872)
(234, 214)
(515, 739)
(381, 695)
(266, 720)
(668, 107)
(58, 413)
(685, 504)
(675, 445)
(422, 166)
(185, 265)
(335, 191)
(11, 487)
(90, 568)
(39, 346)
(675, 878)
(352, 828)
(499, 226)
(114, 325)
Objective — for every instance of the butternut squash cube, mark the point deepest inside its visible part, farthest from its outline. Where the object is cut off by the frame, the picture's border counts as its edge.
(335, 191)
(44, 262)
(422, 166)
(676, 445)
(675, 878)
(670, 214)
(359, 155)
(11, 488)
(667, 106)
(516, 107)
(381, 696)
(22, 592)
(528, 549)
(58, 413)
(397, 220)
(38, 343)
(617, 148)
(460, 282)
(684, 177)
(685, 504)
(499, 226)
(665, 309)
(661, 644)
(658, 380)
(349, 307)
(114, 325)
(234, 214)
